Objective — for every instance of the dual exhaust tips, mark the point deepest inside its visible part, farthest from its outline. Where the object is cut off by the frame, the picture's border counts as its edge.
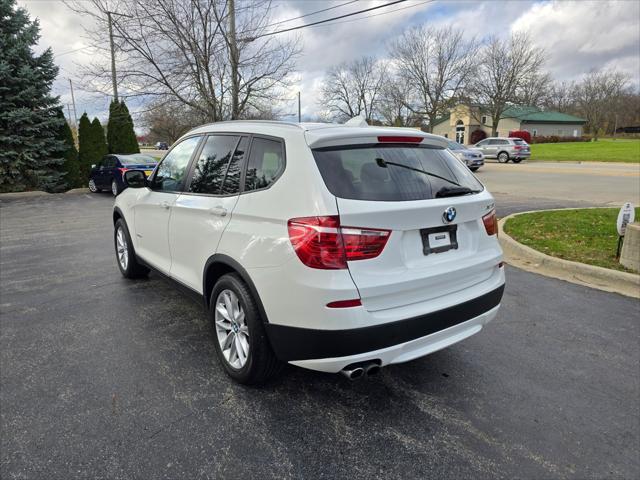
(359, 370)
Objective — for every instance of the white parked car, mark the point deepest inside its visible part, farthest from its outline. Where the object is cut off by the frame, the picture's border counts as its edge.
(331, 247)
(472, 158)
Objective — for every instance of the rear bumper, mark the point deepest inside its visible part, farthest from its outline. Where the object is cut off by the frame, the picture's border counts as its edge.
(392, 342)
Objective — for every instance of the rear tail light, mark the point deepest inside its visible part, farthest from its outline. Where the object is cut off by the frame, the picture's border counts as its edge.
(122, 170)
(356, 302)
(320, 242)
(518, 147)
(399, 139)
(490, 223)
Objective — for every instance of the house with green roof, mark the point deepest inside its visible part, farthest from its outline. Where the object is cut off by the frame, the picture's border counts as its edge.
(464, 119)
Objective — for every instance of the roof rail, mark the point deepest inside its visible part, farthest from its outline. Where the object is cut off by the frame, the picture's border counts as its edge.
(268, 122)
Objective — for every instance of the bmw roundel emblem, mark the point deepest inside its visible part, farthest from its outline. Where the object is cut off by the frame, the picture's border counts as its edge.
(449, 215)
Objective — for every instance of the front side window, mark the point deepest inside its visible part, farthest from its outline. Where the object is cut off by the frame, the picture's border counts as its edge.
(266, 162)
(211, 167)
(171, 172)
(391, 172)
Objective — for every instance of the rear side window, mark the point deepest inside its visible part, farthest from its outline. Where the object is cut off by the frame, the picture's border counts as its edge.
(266, 162)
(519, 141)
(391, 172)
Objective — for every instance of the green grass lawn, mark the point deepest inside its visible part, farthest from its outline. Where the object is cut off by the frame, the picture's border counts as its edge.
(604, 150)
(587, 235)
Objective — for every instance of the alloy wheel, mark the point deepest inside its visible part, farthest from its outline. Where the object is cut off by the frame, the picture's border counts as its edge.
(114, 188)
(122, 248)
(92, 186)
(231, 329)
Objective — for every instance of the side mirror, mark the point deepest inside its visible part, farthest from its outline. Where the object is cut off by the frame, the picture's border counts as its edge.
(135, 178)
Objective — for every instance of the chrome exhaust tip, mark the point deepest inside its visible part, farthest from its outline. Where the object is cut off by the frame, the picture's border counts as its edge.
(353, 373)
(372, 369)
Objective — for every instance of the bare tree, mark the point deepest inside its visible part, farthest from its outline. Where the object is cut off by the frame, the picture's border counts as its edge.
(437, 62)
(354, 88)
(503, 69)
(560, 97)
(597, 97)
(394, 99)
(535, 89)
(197, 52)
(167, 121)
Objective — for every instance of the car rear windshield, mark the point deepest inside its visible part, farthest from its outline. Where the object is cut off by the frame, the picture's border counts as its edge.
(135, 159)
(519, 141)
(391, 172)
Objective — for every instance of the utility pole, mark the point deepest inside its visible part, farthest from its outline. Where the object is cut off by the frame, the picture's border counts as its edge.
(75, 112)
(233, 51)
(299, 111)
(113, 58)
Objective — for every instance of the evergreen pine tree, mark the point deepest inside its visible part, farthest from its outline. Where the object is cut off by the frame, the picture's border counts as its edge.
(71, 165)
(129, 140)
(85, 156)
(28, 113)
(99, 142)
(121, 136)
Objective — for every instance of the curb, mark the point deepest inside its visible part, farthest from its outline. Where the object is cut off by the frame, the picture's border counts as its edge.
(30, 194)
(531, 260)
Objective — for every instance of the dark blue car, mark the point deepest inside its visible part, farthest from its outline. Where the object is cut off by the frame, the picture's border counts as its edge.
(108, 174)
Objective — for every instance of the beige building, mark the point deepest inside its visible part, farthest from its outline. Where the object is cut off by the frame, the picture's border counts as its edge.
(464, 119)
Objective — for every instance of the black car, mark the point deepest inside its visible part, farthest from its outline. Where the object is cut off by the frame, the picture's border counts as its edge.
(109, 172)
(162, 146)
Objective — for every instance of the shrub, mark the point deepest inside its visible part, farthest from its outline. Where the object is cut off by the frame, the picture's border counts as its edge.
(523, 134)
(557, 139)
(477, 136)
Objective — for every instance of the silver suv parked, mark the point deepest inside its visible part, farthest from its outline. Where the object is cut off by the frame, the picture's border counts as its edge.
(504, 149)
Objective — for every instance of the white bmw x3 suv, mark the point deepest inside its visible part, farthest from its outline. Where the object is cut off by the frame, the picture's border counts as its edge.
(331, 247)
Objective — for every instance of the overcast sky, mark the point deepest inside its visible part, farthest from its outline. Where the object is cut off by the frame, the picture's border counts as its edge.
(578, 36)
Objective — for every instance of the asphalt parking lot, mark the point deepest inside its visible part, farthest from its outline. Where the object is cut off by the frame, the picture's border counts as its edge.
(101, 377)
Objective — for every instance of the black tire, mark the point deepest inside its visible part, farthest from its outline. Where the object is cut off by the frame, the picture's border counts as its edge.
(474, 169)
(503, 157)
(92, 187)
(133, 268)
(261, 363)
(516, 160)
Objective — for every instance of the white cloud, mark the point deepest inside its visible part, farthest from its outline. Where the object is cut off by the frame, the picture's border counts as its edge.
(578, 36)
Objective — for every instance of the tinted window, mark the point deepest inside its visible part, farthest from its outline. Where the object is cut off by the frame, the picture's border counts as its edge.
(519, 141)
(209, 170)
(390, 173)
(494, 142)
(456, 146)
(109, 162)
(266, 162)
(137, 159)
(483, 142)
(231, 183)
(171, 171)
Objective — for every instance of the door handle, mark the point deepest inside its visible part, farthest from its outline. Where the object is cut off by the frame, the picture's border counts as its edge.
(166, 205)
(218, 211)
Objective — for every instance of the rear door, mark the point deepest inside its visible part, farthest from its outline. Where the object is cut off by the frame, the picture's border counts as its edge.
(435, 246)
(154, 204)
(204, 209)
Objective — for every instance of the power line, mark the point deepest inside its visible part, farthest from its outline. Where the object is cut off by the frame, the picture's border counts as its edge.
(327, 20)
(376, 14)
(309, 14)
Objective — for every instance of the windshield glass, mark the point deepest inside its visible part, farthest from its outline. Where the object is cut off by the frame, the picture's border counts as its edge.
(134, 159)
(391, 172)
(456, 146)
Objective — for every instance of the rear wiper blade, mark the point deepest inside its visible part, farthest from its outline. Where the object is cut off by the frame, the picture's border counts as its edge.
(383, 163)
(454, 191)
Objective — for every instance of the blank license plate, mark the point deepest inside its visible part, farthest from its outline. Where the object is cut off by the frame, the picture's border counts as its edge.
(439, 239)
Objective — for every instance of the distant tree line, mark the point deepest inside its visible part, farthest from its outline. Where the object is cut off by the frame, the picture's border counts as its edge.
(428, 70)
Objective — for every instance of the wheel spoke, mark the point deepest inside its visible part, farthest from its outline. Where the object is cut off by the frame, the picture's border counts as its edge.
(227, 341)
(242, 356)
(224, 324)
(222, 310)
